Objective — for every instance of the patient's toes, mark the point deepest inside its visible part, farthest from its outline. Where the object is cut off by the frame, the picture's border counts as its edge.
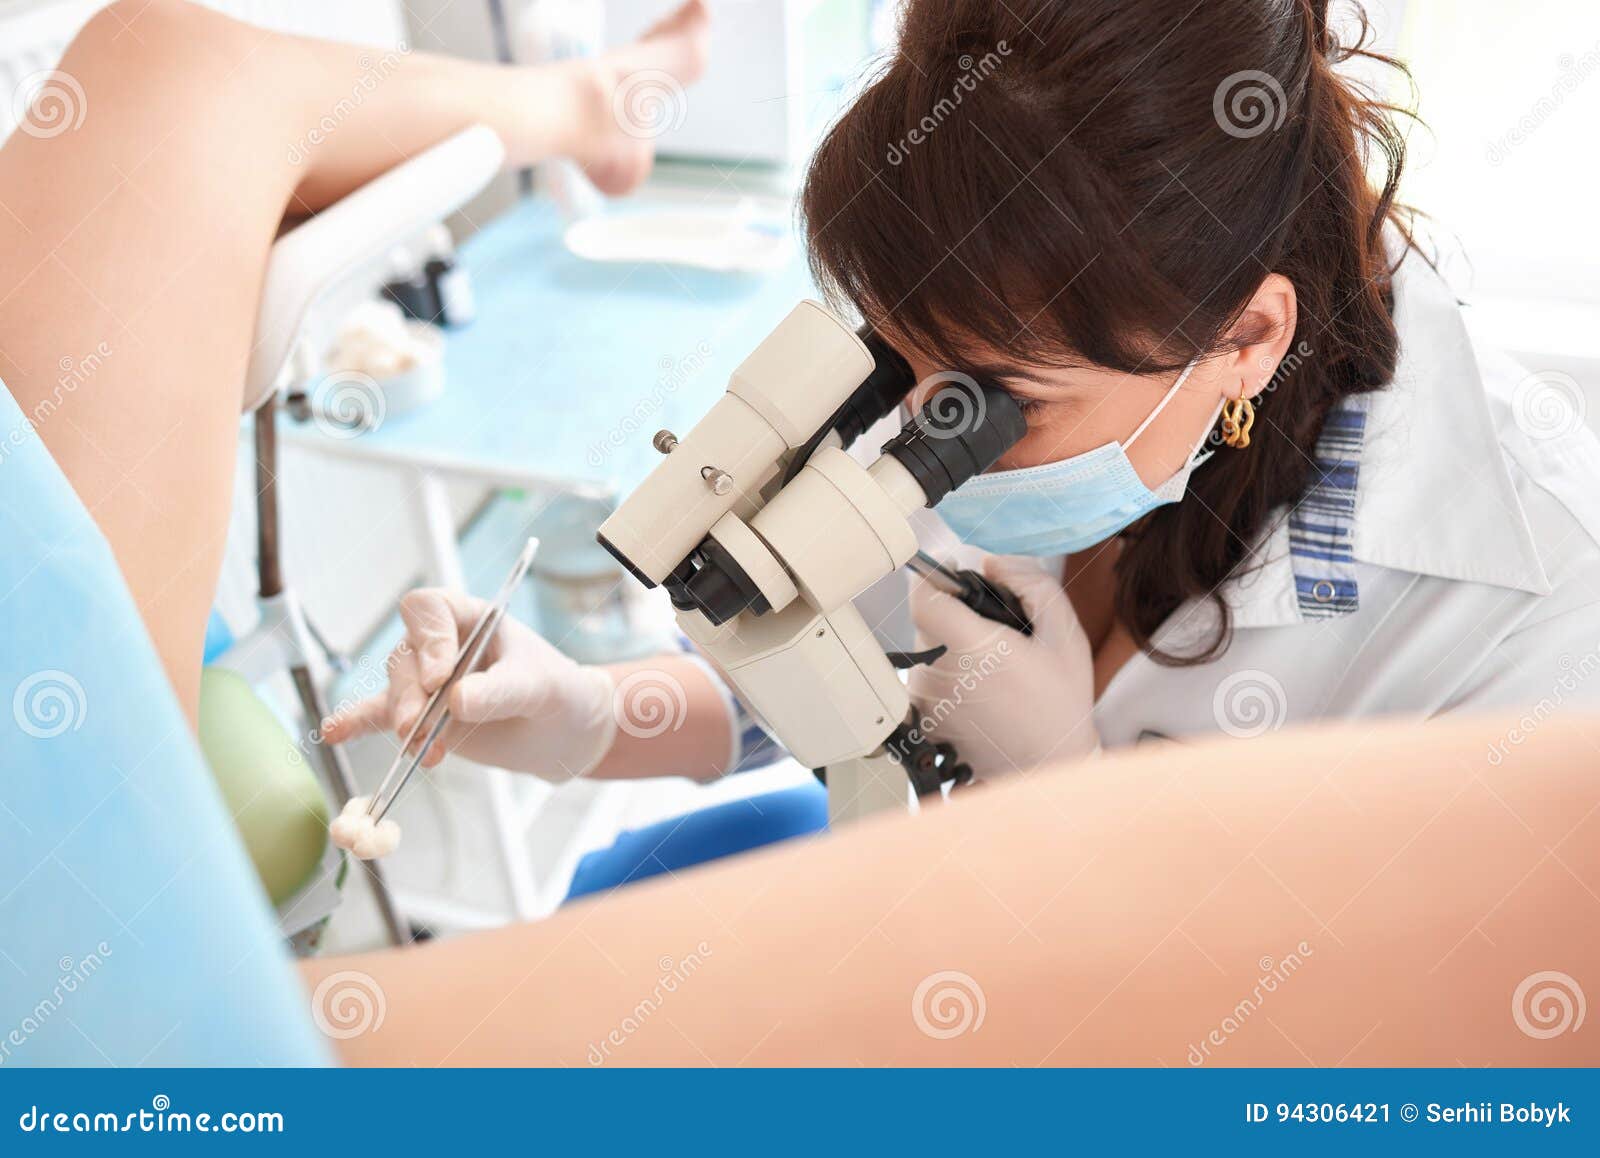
(686, 31)
(639, 90)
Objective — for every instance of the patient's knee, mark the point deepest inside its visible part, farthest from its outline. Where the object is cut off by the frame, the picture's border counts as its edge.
(172, 96)
(150, 24)
(159, 52)
(122, 27)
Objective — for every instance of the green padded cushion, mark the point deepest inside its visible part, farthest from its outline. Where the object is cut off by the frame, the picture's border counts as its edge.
(275, 800)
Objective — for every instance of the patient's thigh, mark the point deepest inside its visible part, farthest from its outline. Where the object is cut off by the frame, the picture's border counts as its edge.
(133, 238)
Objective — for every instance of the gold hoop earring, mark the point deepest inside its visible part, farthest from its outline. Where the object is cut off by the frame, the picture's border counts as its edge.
(1238, 416)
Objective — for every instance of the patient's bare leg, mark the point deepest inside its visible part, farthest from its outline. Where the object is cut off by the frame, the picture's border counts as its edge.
(1359, 895)
(135, 241)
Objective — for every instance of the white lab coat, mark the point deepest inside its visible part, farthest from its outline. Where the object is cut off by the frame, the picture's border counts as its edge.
(1475, 555)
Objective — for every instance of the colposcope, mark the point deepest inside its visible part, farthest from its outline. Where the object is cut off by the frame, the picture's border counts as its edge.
(762, 530)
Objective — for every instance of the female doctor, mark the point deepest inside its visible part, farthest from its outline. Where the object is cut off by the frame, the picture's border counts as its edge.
(1267, 478)
(816, 949)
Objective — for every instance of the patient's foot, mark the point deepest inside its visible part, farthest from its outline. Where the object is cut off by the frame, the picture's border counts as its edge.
(639, 94)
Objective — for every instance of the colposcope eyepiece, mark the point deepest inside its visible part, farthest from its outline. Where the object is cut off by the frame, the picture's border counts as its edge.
(880, 392)
(960, 432)
(884, 388)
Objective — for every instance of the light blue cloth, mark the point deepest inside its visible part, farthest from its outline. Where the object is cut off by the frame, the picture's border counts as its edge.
(132, 928)
(571, 364)
(218, 638)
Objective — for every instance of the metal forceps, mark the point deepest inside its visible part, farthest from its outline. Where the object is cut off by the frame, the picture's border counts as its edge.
(472, 649)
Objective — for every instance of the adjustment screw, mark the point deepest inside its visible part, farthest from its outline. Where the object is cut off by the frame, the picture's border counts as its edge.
(665, 441)
(721, 481)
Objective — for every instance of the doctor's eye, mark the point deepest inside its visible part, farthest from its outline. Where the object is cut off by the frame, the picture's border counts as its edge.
(1028, 406)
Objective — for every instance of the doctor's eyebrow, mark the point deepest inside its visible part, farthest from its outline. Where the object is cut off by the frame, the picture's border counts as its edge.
(1007, 377)
(1028, 389)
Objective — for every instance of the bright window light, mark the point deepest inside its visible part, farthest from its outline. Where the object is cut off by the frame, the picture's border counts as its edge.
(1510, 157)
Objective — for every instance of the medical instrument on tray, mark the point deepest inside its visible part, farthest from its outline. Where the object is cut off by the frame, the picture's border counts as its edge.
(472, 649)
(974, 589)
(763, 530)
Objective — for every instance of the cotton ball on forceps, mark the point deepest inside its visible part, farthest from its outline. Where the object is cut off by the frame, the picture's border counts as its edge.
(354, 831)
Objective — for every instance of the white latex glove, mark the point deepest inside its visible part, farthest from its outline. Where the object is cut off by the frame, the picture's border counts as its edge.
(1007, 701)
(529, 708)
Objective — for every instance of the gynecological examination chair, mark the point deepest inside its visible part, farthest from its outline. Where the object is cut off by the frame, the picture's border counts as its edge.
(146, 891)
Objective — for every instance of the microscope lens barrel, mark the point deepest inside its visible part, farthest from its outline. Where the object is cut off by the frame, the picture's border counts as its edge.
(960, 432)
(783, 391)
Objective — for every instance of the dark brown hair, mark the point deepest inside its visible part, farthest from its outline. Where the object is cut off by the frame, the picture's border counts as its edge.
(1106, 182)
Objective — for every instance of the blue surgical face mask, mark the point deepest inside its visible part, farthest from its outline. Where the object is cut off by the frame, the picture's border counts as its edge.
(1061, 507)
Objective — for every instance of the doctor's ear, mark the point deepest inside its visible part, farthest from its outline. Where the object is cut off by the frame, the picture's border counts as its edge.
(1266, 327)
